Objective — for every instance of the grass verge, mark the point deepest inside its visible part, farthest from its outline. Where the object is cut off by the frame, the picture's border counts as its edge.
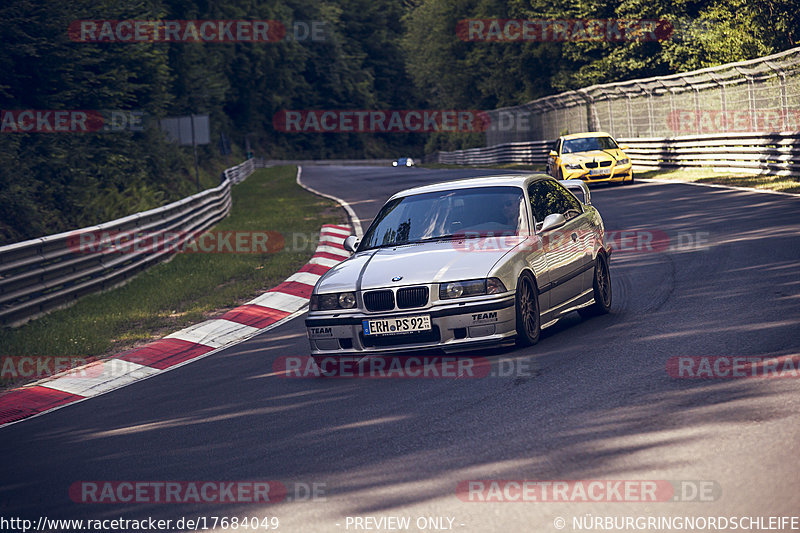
(789, 184)
(191, 287)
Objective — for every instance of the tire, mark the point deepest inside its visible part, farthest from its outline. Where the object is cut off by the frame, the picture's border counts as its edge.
(601, 289)
(527, 306)
(559, 175)
(631, 181)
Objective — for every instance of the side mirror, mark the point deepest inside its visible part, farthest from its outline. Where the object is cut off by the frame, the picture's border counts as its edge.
(556, 220)
(624, 147)
(578, 185)
(351, 243)
(553, 153)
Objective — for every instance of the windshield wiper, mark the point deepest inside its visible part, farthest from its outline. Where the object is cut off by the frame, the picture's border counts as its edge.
(388, 245)
(439, 238)
(430, 239)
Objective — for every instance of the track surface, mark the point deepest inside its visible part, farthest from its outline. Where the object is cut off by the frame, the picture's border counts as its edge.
(595, 403)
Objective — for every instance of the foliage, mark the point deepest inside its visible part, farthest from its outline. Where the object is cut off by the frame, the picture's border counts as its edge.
(376, 54)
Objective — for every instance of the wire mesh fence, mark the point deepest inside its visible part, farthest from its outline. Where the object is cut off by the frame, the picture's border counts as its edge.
(760, 95)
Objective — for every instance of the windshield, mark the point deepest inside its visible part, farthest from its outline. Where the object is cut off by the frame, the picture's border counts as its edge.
(450, 214)
(588, 144)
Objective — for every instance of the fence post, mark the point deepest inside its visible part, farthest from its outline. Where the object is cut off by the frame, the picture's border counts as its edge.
(751, 100)
(697, 107)
(630, 115)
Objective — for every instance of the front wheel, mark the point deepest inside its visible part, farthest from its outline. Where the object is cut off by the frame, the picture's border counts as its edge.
(601, 289)
(527, 305)
(631, 180)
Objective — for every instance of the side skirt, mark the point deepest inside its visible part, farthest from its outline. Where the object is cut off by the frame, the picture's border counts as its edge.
(551, 316)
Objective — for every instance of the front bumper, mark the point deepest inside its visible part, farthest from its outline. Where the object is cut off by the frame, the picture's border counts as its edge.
(617, 174)
(454, 327)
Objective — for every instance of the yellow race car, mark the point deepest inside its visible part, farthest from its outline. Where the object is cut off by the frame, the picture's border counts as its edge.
(593, 157)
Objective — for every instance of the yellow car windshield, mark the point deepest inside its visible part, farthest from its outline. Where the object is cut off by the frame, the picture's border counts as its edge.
(587, 144)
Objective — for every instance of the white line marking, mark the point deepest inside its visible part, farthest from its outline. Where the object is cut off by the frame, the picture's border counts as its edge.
(101, 377)
(280, 301)
(332, 250)
(352, 214)
(324, 261)
(215, 333)
(308, 278)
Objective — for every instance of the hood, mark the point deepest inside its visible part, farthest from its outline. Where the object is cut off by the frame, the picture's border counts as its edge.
(598, 155)
(418, 264)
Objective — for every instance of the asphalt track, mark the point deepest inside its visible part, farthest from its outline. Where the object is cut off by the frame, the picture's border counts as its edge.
(592, 401)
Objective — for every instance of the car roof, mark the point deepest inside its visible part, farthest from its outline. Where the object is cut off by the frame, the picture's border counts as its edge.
(586, 134)
(503, 180)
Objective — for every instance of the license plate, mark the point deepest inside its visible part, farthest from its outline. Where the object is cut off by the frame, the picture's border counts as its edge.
(393, 326)
(600, 172)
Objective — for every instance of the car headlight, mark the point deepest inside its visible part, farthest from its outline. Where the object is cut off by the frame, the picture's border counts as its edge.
(347, 300)
(394, 163)
(326, 302)
(573, 166)
(473, 287)
(623, 161)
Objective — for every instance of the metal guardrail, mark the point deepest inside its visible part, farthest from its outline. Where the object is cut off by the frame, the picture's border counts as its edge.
(240, 172)
(40, 275)
(773, 153)
(343, 162)
(530, 152)
(756, 153)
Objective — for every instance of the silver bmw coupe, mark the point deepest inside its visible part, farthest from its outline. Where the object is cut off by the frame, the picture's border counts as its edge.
(464, 264)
